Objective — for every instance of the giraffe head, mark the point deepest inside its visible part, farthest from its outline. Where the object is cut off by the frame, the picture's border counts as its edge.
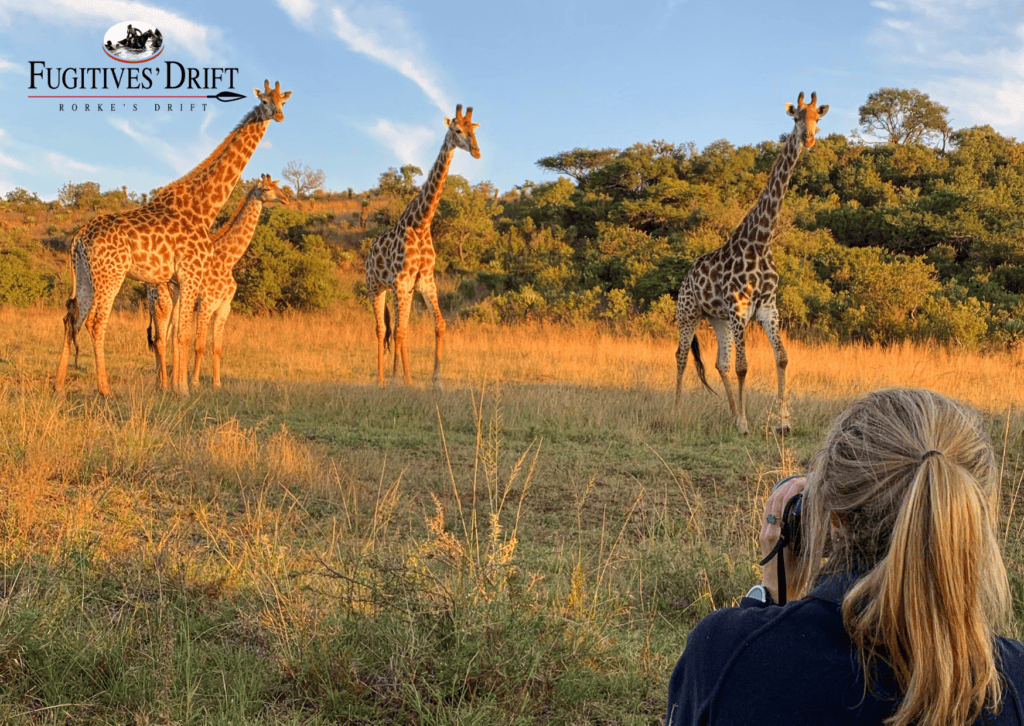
(808, 115)
(267, 191)
(272, 100)
(462, 131)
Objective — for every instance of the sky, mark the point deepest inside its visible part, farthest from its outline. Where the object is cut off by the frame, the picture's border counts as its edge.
(372, 81)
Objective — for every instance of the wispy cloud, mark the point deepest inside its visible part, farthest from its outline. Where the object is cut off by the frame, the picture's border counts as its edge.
(301, 11)
(409, 143)
(197, 39)
(379, 31)
(934, 39)
(9, 162)
(64, 165)
(156, 146)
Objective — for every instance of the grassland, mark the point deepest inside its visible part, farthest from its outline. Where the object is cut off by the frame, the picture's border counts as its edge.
(529, 545)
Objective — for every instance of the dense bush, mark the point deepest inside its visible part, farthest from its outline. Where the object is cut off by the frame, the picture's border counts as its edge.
(19, 283)
(285, 267)
(877, 242)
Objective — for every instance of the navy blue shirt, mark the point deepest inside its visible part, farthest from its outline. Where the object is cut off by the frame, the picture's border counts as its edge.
(765, 664)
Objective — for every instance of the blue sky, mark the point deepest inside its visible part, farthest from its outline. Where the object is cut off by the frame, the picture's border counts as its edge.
(372, 81)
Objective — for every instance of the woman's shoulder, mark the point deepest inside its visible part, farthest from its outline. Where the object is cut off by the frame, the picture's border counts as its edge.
(722, 632)
(1011, 657)
(1011, 666)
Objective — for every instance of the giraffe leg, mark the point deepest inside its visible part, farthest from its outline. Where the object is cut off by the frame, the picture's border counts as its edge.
(429, 290)
(724, 334)
(78, 306)
(739, 333)
(72, 322)
(687, 328)
(188, 291)
(202, 328)
(161, 306)
(219, 321)
(96, 323)
(380, 301)
(403, 293)
(769, 319)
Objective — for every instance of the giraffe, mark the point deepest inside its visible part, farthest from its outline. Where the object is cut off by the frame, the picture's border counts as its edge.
(402, 258)
(737, 282)
(168, 236)
(218, 287)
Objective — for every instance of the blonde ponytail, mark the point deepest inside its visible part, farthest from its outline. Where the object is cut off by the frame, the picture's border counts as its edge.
(910, 476)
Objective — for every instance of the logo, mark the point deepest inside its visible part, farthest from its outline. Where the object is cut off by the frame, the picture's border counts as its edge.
(133, 42)
(116, 88)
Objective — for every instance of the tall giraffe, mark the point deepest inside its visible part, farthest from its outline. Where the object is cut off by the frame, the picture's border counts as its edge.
(218, 287)
(737, 282)
(403, 257)
(168, 236)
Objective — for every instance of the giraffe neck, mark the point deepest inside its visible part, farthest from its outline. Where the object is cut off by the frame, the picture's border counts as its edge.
(421, 210)
(206, 188)
(234, 236)
(759, 224)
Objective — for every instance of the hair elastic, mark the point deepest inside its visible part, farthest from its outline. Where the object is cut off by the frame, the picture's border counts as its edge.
(933, 452)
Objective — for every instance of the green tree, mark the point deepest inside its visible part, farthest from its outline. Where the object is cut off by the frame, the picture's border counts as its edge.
(79, 196)
(398, 183)
(286, 266)
(578, 163)
(20, 284)
(397, 187)
(23, 200)
(463, 227)
(902, 116)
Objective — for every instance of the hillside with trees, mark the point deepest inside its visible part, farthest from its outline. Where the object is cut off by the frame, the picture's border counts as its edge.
(912, 230)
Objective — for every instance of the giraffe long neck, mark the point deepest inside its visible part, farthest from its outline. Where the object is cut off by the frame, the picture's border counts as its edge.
(421, 210)
(759, 224)
(206, 188)
(233, 238)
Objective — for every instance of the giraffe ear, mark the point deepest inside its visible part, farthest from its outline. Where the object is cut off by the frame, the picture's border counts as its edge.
(791, 110)
(285, 96)
(447, 121)
(822, 110)
(476, 126)
(258, 93)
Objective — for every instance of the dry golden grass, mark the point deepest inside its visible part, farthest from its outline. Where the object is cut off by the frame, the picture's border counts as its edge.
(305, 507)
(339, 346)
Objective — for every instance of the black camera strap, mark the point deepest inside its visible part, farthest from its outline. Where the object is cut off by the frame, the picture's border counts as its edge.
(785, 537)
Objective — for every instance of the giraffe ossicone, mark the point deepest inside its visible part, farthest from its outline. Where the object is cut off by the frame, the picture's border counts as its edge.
(402, 258)
(166, 237)
(738, 282)
(229, 241)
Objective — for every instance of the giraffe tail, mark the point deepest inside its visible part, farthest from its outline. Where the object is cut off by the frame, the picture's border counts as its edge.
(152, 331)
(695, 348)
(387, 328)
(70, 321)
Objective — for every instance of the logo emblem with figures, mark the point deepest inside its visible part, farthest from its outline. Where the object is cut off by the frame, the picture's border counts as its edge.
(133, 41)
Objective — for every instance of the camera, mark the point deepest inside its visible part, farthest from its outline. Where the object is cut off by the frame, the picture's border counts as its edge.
(791, 522)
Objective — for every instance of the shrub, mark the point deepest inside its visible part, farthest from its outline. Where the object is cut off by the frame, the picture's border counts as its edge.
(19, 284)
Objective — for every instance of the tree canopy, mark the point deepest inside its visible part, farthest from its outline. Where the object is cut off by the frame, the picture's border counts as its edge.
(904, 116)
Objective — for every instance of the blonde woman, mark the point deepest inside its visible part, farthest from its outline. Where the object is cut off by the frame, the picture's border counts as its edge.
(897, 594)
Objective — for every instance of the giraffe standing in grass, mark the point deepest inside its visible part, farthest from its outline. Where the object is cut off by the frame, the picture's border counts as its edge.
(218, 287)
(166, 237)
(402, 258)
(737, 282)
